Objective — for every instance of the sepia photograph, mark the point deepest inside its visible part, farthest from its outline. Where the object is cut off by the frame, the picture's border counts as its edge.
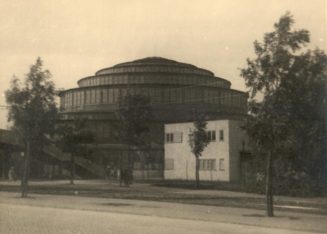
(154, 117)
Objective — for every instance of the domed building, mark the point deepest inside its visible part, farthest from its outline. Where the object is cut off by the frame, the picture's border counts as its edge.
(176, 91)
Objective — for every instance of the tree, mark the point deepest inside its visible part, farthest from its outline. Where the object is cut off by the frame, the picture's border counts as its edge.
(134, 114)
(71, 138)
(292, 85)
(198, 141)
(32, 110)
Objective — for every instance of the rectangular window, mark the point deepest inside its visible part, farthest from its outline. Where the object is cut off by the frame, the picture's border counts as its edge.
(169, 138)
(104, 96)
(223, 98)
(98, 96)
(206, 96)
(173, 95)
(216, 97)
(92, 96)
(110, 96)
(82, 98)
(176, 96)
(178, 137)
(164, 96)
(169, 164)
(175, 137)
(211, 135)
(211, 96)
(115, 95)
(77, 98)
(74, 99)
(221, 135)
(79, 95)
(207, 164)
(123, 80)
(155, 95)
(121, 94)
(87, 96)
(221, 164)
(191, 95)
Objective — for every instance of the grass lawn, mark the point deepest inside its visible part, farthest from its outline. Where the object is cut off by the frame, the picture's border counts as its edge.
(171, 191)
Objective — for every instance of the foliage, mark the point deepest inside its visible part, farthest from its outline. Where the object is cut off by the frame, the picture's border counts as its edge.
(72, 136)
(32, 105)
(289, 121)
(32, 110)
(275, 57)
(134, 114)
(198, 141)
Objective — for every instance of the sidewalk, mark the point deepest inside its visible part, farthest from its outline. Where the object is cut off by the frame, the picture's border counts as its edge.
(283, 220)
(149, 192)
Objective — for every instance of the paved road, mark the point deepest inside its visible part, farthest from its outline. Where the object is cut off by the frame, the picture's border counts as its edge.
(18, 219)
(148, 192)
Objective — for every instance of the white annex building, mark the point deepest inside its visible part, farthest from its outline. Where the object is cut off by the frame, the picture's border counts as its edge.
(220, 161)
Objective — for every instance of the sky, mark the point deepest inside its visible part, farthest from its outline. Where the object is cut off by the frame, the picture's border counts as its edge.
(77, 38)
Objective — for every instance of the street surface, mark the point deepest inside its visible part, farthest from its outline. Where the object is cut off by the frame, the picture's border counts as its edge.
(39, 220)
(79, 215)
(152, 192)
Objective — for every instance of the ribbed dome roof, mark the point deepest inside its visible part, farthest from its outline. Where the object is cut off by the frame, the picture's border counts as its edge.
(152, 62)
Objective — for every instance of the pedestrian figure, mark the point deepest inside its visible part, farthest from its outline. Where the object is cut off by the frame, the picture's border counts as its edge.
(108, 172)
(122, 177)
(125, 177)
(11, 174)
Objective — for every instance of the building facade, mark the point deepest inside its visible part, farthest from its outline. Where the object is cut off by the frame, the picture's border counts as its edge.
(221, 159)
(175, 90)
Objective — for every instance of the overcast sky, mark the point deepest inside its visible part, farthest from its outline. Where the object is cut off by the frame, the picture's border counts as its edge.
(77, 38)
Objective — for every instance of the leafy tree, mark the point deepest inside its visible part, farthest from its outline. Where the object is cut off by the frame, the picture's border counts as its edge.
(33, 113)
(303, 97)
(198, 141)
(71, 138)
(134, 114)
(288, 121)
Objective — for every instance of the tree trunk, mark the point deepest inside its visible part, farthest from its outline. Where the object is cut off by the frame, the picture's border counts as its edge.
(4, 163)
(24, 182)
(72, 171)
(269, 186)
(130, 166)
(52, 171)
(147, 170)
(197, 171)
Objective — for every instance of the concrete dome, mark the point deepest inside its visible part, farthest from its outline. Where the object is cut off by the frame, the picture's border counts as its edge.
(174, 88)
(154, 70)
